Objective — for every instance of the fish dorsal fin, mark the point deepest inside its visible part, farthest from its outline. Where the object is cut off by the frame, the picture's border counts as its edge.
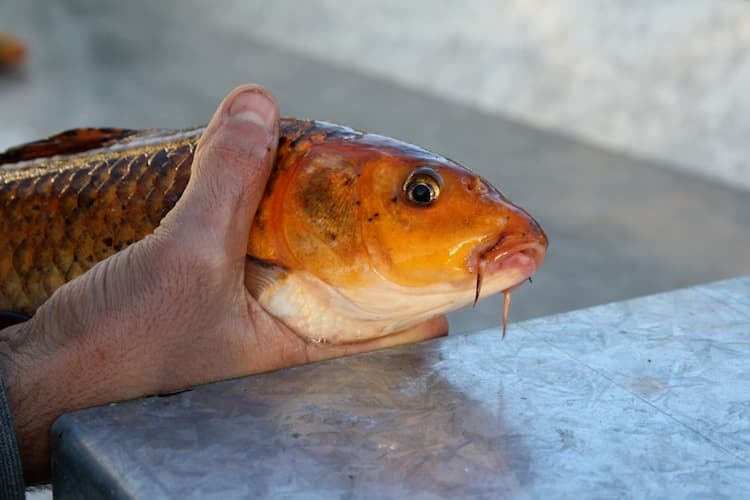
(70, 142)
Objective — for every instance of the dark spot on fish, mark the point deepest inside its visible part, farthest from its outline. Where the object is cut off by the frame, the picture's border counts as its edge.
(376, 214)
(107, 241)
(296, 435)
(347, 181)
(268, 149)
(329, 208)
(369, 219)
(356, 202)
(394, 199)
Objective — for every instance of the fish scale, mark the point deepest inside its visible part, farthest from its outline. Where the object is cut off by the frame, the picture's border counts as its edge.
(59, 219)
(71, 200)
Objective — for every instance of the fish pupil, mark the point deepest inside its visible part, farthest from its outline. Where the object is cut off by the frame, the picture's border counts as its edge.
(422, 193)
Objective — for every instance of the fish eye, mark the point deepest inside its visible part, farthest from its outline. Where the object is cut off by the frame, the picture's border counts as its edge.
(422, 187)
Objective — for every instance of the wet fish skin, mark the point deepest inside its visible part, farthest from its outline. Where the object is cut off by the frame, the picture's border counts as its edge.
(335, 243)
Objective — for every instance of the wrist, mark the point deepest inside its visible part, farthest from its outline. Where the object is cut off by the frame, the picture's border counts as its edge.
(37, 380)
(13, 366)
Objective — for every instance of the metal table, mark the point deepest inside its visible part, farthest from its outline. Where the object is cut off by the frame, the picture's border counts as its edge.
(645, 398)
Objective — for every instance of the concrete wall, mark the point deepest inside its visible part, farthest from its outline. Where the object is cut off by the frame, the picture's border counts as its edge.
(668, 80)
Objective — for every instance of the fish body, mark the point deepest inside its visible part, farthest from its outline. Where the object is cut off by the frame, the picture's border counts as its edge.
(357, 235)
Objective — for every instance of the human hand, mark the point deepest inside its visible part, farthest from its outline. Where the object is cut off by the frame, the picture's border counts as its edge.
(170, 311)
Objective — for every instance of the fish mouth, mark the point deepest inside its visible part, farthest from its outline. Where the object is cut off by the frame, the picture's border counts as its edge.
(516, 257)
(507, 247)
(520, 256)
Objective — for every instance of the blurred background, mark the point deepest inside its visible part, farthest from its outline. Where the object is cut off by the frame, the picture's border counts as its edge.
(622, 126)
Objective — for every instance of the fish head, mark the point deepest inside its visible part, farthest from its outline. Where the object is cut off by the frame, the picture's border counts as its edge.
(375, 235)
(432, 224)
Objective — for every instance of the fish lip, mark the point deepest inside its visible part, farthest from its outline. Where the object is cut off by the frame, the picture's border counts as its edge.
(524, 253)
(504, 248)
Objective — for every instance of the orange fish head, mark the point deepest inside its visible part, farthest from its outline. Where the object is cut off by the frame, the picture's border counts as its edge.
(429, 222)
(373, 235)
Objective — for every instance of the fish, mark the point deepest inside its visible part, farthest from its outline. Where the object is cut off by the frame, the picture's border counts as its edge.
(357, 235)
(12, 51)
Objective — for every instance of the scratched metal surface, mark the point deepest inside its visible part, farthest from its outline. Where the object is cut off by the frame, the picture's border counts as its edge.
(644, 398)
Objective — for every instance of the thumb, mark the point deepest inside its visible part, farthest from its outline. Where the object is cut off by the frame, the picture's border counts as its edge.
(230, 169)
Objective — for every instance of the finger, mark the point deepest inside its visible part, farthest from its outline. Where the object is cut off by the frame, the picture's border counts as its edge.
(231, 167)
(430, 329)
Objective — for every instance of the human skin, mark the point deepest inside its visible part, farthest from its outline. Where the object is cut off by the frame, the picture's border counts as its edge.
(172, 310)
